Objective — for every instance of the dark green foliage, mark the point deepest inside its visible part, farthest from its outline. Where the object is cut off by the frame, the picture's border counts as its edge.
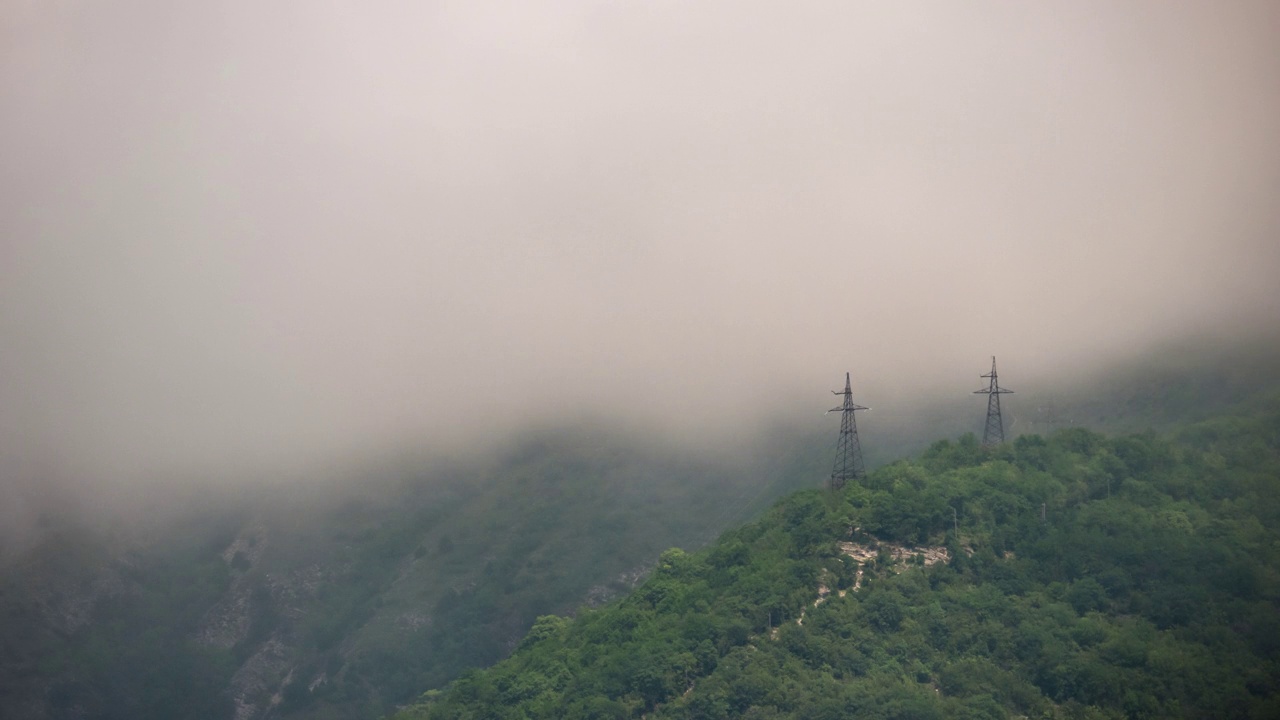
(136, 655)
(1150, 589)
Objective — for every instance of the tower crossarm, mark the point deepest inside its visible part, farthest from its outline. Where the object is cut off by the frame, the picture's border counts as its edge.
(850, 406)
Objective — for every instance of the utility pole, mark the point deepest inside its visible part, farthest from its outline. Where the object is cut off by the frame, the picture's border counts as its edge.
(848, 465)
(993, 434)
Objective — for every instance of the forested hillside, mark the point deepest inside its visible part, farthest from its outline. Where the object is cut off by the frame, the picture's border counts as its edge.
(345, 602)
(1074, 576)
(348, 600)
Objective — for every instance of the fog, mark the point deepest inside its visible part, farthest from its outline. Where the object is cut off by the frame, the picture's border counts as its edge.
(256, 240)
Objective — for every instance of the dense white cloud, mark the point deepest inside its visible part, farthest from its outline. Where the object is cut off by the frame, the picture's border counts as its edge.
(246, 238)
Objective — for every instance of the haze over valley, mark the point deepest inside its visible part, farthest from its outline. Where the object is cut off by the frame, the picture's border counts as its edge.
(339, 343)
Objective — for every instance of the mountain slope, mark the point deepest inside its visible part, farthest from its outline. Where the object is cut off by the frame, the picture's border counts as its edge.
(1150, 588)
(306, 601)
(342, 602)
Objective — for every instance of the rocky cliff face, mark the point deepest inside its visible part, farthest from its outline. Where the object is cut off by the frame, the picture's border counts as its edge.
(256, 619)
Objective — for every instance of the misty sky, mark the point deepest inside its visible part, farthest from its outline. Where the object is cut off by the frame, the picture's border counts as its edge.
(250, 238)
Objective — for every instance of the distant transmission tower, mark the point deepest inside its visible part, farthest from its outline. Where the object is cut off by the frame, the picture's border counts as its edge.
(994, 433)
(848, 451)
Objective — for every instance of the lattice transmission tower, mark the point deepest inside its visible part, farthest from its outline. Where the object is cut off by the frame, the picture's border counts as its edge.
(993, 434)
(848, 464)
